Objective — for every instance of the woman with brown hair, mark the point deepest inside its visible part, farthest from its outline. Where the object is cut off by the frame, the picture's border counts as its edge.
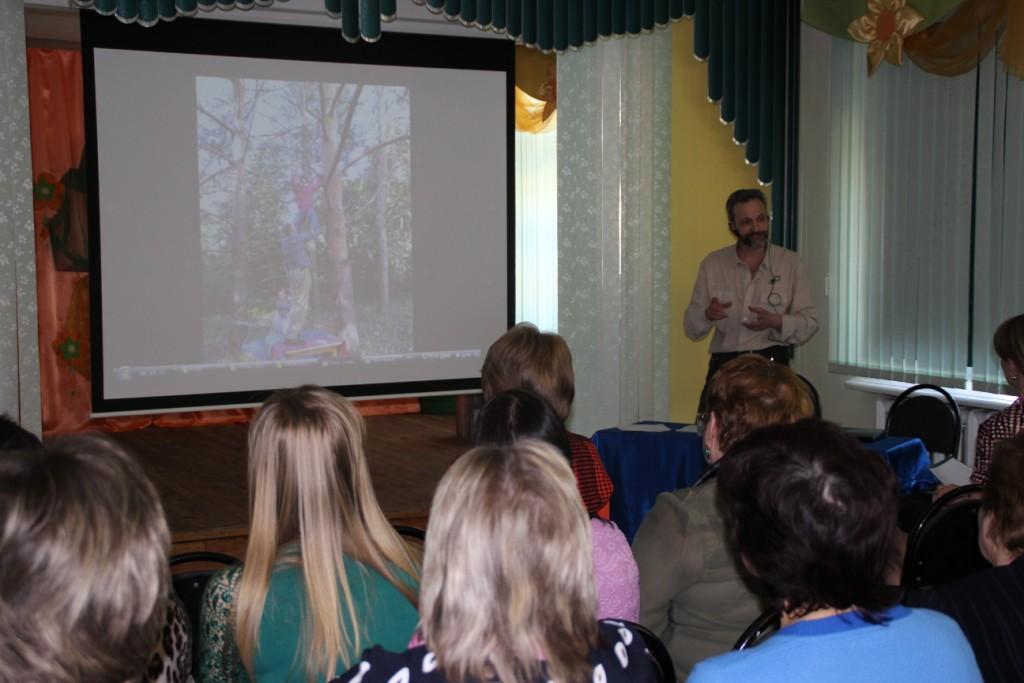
(692, 593)
(526, 358)
(83, 564)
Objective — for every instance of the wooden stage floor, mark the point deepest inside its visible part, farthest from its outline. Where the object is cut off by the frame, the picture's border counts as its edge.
(200, 473)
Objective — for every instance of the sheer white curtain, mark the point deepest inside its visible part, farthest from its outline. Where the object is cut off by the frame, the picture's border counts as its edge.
(613, 227)
(19, 356)
(537, 229)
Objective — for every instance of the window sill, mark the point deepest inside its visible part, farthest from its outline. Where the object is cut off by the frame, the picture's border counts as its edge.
(973, 399)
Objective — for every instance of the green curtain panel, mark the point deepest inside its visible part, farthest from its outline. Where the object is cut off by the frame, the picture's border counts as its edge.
(556, 25)
(752, 51)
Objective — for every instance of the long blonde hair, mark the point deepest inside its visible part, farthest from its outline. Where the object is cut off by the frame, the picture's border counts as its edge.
(508, 573)
(309, 484)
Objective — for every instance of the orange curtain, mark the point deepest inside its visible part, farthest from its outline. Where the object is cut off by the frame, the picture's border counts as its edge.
(955, 45)
(58, 139)
(536, 93)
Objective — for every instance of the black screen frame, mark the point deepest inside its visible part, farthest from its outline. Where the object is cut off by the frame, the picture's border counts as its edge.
(287, 42)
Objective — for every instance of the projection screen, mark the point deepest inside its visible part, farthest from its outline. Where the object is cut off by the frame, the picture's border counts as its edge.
(270, 206)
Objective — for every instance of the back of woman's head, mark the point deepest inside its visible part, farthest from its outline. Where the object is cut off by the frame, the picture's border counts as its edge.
(310, 489)
(1008, 341)
(508, 572)
(83, 564)
(813, 516)
(307, 469)
(526, 358)
(1003, 498)
(750, 392)
(519, 414)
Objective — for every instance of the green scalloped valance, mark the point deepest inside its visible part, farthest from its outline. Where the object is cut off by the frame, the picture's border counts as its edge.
(546, 24)
(752, 51)
(360, 19)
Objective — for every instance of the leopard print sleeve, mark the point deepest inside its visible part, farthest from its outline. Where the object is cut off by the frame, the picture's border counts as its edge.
(219, 661)
(172, 660)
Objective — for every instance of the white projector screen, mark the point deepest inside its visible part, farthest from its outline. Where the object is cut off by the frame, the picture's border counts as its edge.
(314, 213)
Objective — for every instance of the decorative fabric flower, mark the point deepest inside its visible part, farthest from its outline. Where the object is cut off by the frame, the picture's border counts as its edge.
(69, 349)
(883, 28)
(47, 192)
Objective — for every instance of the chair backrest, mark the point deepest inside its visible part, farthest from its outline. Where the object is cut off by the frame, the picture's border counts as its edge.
(766, 624)
(189, 585)
(411, 532)
(918, 412)
(415, 539)
(943, 546)
(657, 651)
(815, 397)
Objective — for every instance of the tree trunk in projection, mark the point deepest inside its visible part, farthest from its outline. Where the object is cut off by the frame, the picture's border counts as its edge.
(383, 255)
(240, 200)
(334, 137)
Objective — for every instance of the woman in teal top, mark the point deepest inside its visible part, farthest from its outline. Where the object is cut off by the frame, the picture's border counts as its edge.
(316, 530)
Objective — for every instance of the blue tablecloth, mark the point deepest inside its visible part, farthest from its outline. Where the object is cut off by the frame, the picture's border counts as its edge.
(645, 464)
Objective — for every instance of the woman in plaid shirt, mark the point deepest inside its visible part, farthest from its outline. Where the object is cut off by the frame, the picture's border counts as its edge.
(1008, 342)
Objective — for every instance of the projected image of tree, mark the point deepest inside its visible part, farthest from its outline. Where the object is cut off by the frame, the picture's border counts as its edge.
(305, 219)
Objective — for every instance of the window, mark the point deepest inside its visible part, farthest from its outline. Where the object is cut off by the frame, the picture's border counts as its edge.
(537, 229)
(927, 224)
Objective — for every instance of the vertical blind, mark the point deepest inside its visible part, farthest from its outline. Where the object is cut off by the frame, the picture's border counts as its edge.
(925, 172)
(999, 222)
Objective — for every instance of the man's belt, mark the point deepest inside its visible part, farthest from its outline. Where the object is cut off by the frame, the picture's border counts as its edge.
(777, 354)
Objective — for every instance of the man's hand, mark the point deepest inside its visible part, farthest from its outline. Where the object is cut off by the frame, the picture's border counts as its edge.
(716, 310)
(763, 320)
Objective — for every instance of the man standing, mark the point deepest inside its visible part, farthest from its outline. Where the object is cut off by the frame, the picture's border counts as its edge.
(754, 294)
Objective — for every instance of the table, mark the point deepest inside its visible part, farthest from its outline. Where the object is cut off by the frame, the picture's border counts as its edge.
(643, 464)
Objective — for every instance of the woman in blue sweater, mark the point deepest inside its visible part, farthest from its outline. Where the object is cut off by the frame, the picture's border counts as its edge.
(813, 516)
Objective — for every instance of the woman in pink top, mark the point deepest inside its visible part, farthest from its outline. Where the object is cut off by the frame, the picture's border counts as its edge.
(518, 414)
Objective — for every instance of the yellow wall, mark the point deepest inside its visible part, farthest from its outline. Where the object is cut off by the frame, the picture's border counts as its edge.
(706, 166)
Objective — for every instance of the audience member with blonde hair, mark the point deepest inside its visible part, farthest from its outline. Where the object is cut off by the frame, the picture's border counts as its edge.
(514, 415)
(692, 593)
(526, 358)
(987, 605)
(325, 574)
(83, 564)
(508, 586)
(813, 516)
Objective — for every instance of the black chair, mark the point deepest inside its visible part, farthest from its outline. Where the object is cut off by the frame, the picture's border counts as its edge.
(657, 651)
(815, 397)
(411, 532)
(918, 412)
(189, 585)
(765, 625)
(943, 546)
